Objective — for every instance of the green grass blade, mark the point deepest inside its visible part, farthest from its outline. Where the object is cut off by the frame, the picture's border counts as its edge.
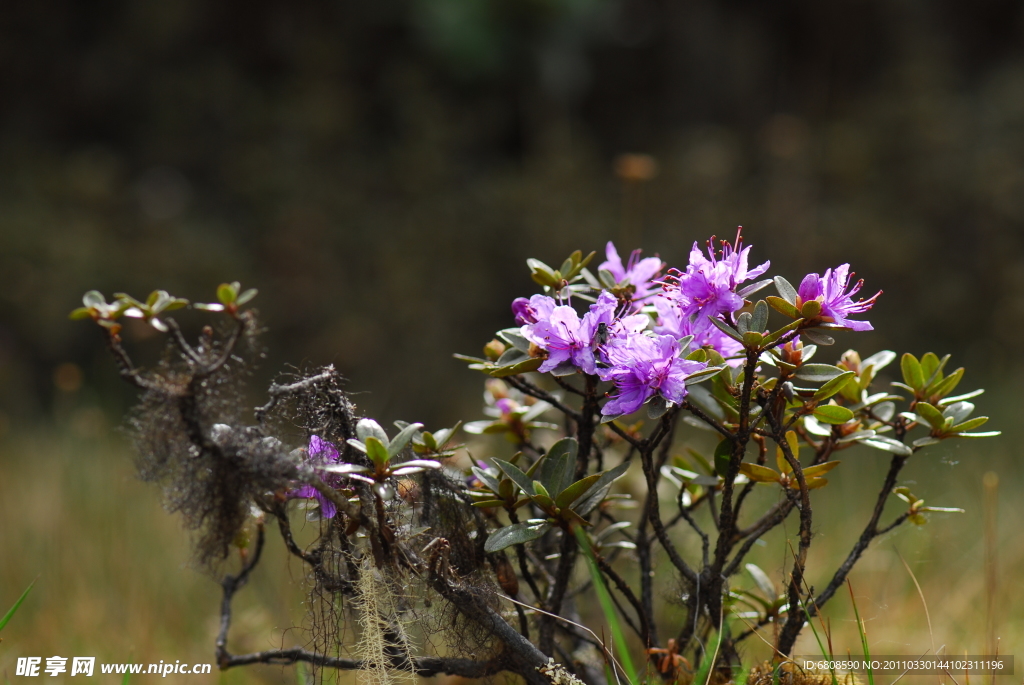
(703, 675)
(127, 678)
(863, 634)
(821, 646)
(608, 607)
(10, 613)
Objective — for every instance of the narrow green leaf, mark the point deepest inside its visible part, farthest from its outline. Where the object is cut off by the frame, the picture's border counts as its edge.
(913, 374)
(576, 490)
(758, 473)
(226, 293)
(833, 386)
(819, 470)
(764, 583)
(516, 534)
(559, 465)
(608, 607)
(929, 366)
(786, 290)
(376, 451)
(886, 444)
(727, 329)
(526, 366)
(399, 442)
(969, 425)
(879, 360)
(947, 384)
(10, 612)
(518, 477)
(759, 321)
(819, 337)
(930, 414)
(771, 338)
(723, 456)
(600, 489)
(818, 373)
(783, 307)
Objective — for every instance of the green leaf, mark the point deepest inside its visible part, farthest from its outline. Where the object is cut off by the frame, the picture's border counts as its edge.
(399, 442)
(958, 411)
(814, 427)
(368, 427)
(10, 612)
(764, 583)
(985, 434)
(543, 274)
(525, 366)
(913, 374)
(723, 456)
(776, 335)
(753, 340)
(759, 322)
(600, 489)
(810, 309)
(247, 296)
(493, 484)
(886, 444)
(786, 290)
(518, 477)
(743, 322)
(94, 298)
(818, 373)
(727, 329)
(704, 374)
(658, 406)
(758, 473)
(930, 414)
(227, 293)
(947, 384)
(516, 534)
(80, 313)
(345, 469)
(559, 464)
(376, 451)
(833, 386)
(879, 360)
(514, 338)
(960, 398)
(783, 307)
(608, 607)
(929, 365)
(969, 425)
(576, 490)
(819, 470)
(817, 336)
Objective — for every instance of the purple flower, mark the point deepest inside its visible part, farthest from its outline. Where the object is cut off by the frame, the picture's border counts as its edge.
(530, 311)
(709, 284)
(321, 453)
(643, 366)
(836, 302)
(672, 321)
(636, 272)
(568, 338)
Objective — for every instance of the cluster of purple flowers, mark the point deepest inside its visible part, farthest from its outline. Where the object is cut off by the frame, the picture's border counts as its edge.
(638, 334)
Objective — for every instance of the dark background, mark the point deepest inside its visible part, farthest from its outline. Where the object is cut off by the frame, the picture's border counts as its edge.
(381, 170)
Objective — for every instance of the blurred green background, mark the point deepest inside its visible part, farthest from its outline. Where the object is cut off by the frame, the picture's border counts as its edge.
(381, 170)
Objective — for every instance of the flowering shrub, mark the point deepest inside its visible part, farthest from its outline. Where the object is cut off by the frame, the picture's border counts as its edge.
(475, 572)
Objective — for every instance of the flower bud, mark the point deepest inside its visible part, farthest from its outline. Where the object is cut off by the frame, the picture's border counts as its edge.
(494, 349)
